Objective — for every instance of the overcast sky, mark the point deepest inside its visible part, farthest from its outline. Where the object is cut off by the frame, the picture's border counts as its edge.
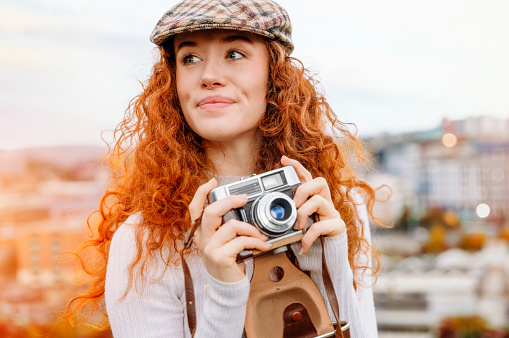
(69, 68)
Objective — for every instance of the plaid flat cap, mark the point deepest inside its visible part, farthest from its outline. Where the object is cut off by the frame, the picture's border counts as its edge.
(262, 17)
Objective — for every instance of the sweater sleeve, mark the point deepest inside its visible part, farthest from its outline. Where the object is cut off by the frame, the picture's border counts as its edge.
(224, 310)
(156, 307)
(355, 306)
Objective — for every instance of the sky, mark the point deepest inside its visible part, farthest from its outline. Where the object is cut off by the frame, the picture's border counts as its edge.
(68, 69)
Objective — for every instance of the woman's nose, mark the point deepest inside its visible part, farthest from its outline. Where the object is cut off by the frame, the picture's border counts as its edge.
(213, 75)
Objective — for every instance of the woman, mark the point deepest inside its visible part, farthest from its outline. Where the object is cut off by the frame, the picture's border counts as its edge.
(224, 101)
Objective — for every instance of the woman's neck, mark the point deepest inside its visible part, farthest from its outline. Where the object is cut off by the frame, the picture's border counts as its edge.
(233, 158)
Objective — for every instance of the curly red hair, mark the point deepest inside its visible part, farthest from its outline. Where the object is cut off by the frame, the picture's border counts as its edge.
(159, 161)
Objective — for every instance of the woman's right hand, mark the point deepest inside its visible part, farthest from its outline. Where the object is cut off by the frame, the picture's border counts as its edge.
(219, 244)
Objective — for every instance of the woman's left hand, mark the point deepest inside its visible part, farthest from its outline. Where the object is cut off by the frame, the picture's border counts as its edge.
(313, 196)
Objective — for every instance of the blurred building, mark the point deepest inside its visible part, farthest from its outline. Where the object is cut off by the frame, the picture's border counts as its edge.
(417, 292)
(46, 196)
(39, 245)
(40, 225)
(458, 166)
(450, 188)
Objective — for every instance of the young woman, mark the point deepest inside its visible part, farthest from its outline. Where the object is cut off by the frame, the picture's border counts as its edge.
(224, 101)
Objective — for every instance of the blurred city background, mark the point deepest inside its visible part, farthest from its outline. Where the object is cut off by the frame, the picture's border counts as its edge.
(446, 260)
(425, 82)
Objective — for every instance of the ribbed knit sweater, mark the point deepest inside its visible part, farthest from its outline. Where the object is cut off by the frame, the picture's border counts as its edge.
(156, 307)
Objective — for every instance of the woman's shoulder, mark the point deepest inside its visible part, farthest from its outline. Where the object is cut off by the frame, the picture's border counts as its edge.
(125, 235)
(123, 244)
(360, 205)
(357, 200)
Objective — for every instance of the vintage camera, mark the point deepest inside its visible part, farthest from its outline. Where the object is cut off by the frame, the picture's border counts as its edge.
(270, 205)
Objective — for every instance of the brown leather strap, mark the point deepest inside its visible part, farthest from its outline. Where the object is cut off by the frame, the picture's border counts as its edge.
(329, 289)
(189, 289)
(345, 328)
(188, 280)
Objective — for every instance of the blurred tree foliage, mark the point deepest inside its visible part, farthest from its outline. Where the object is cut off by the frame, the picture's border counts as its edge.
(468, 327)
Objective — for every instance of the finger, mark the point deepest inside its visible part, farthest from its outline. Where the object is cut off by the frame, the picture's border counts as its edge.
(316, 204)
(331, 227)
(303, 174)
(240, 243)
(233, 228)
(199, 199)
(221, 262)
(213, 214)
(317, 186)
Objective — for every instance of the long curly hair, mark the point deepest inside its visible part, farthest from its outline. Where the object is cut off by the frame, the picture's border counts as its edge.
(158, 162)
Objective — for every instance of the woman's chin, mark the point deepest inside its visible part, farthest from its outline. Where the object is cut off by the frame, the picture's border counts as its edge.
(224, 135)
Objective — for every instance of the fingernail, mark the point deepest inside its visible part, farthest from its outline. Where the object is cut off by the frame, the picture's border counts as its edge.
(301, 251)
(212, 179)
(296, 225)
(268, 245)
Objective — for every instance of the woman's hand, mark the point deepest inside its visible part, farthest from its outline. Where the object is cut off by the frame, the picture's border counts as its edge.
(219, 244)
(313, 196)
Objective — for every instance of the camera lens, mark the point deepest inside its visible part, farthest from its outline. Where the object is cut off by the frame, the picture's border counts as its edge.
(277, 211)
(280, 209)
(274, 214)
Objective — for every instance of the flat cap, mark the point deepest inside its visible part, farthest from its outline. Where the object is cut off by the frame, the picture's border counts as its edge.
(263, 17)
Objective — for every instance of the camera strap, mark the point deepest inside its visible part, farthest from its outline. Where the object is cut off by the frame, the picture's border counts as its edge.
(329, 288)
(188, 280)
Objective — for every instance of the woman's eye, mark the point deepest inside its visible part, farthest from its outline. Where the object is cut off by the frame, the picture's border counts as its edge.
(233, 55)
(189, 59)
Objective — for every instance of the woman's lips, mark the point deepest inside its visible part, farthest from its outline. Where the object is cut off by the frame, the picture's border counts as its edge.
(214, 102)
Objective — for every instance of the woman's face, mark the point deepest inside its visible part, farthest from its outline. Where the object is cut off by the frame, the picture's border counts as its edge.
(222, 79)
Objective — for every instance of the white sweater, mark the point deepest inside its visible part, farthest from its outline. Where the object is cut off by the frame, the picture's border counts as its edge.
(157, 308)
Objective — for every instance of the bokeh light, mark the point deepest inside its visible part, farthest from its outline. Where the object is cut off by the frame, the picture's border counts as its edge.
(483, 210)
(449, 140)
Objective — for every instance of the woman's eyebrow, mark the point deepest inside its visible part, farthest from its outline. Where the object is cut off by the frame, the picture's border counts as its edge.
(233, 38)
(186, 44)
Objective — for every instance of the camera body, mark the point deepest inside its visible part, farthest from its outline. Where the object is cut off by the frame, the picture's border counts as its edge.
(270, 206)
